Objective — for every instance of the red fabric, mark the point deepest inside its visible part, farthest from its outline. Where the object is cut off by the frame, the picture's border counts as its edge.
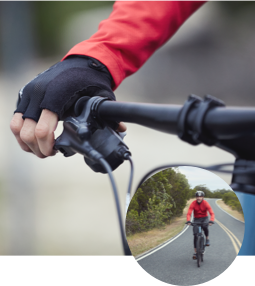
(200, 210)
(133, 32)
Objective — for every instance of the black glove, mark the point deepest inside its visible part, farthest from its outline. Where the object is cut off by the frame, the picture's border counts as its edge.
(58, 88)
(211, 222)
(188, 222)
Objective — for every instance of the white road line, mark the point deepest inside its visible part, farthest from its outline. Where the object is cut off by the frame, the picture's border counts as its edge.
(171, 240)
(225, 211)
(162, 245)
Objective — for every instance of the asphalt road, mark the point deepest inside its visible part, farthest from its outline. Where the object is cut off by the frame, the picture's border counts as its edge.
(173, 263)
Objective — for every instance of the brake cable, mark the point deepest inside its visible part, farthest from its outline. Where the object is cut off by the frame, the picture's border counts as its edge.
(128, 196)
(103, 148)
(107, 168)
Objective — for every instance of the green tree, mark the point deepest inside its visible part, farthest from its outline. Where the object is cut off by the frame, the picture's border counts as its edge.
(231, 199)
(158, 200)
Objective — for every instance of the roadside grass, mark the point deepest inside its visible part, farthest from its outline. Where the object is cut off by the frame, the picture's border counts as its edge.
(229, 210)
(144, 241)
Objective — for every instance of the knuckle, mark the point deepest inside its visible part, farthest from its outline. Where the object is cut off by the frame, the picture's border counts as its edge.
(41, 131)
(27, 136)
(15, 126)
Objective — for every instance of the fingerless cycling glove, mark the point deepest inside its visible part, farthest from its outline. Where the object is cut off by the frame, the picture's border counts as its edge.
(59, 87)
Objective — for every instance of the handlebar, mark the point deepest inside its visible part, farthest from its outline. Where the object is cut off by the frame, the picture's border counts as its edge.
(229, 128)
(198, 223)
(221, 123)
(160, 117)
(198, 121)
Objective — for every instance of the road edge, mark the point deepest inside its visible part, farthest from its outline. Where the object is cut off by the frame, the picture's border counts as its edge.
(227, 212)
(158, 247)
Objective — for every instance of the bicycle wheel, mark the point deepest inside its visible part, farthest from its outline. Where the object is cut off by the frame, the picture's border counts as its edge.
(202, 248)
(199, 254)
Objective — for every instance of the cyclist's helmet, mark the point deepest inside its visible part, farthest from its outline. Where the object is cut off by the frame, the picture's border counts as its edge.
(200, 194)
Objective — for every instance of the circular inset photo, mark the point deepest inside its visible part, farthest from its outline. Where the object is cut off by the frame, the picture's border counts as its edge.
(184, 225)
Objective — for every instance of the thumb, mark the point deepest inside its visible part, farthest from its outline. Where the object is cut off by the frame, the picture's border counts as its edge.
(44, 132)
(122, 127)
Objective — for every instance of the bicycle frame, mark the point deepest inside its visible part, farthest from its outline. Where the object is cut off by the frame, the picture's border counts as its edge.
(205, 121)
(200, 230)
(197, 235)
(200, 248)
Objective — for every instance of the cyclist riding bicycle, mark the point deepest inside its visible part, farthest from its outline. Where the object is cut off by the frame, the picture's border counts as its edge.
(200, 208)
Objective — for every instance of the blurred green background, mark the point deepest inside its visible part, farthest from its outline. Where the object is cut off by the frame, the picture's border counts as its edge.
(50, 16)
(47, 19)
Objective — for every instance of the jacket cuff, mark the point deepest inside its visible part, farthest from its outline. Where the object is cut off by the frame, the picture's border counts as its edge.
(102, 54)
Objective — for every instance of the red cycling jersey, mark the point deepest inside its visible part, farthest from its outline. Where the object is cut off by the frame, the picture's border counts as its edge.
(133, 32)
(200, 210)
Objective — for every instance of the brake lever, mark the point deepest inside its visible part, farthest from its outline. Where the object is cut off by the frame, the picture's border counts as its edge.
(93, 138)
(77, 130)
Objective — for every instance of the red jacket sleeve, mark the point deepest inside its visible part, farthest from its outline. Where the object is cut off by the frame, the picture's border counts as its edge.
(190, 210)
(133, 32)
(210, 211)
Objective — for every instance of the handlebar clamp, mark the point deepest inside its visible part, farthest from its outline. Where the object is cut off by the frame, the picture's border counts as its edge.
(183, 131)
(88, 135)
(197, 135)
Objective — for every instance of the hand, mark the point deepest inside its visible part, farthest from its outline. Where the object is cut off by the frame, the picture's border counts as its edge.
(50, 97)
(210, 224)
(38, 138)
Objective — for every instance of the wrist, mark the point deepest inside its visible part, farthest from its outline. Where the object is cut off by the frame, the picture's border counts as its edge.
(94, 64)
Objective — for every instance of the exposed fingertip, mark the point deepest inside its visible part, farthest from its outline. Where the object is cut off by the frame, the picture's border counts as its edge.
(16, 123)
(41, 156)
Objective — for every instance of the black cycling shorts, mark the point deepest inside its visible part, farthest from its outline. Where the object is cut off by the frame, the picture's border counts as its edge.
(201, 220)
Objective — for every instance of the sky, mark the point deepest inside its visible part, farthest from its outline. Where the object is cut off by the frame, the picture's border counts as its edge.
(198, 176)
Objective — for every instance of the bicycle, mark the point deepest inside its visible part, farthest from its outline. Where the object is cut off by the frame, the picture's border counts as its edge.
(199, 241)
(90, 132)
